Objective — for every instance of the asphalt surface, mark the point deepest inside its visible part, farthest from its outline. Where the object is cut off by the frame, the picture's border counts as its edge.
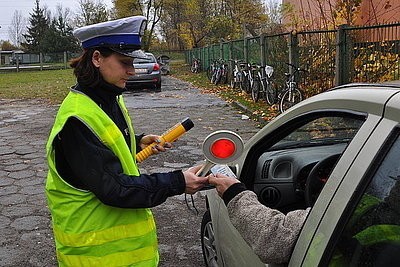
(25, 227)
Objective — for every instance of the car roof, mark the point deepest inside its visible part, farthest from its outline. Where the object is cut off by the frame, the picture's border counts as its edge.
(363, 97)
(360, 98)
(389, 84)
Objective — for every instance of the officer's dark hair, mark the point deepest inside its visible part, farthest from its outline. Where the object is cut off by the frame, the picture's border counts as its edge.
(86, 73)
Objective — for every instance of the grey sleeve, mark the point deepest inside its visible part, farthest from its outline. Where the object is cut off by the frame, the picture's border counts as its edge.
(270, 233)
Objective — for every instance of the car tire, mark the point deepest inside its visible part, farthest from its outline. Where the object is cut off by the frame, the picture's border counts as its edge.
(158, 87)
(208, 241)
(255, 90)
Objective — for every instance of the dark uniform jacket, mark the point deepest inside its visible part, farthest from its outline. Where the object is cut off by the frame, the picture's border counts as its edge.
(85, 163)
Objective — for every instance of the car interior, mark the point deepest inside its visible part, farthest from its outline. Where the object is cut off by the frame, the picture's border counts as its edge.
(288, 168)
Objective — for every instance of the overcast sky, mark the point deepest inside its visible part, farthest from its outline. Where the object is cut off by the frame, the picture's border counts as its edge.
(7, 8)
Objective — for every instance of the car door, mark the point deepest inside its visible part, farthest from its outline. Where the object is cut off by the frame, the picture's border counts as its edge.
(231, 248)
(317, 242)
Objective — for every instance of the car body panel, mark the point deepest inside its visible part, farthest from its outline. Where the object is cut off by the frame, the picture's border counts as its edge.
(345, 192)
(329, 190)
(238, 253)
(346, 176)
(351, 181)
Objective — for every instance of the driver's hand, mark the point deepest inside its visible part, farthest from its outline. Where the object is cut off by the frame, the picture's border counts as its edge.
(221, 182)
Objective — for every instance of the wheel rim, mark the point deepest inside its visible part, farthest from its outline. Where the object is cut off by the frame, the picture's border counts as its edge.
(209, 249)
(289, 99)
(270, 93)
(255, 90)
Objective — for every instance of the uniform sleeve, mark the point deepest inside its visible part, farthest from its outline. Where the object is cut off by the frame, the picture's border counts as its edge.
(270, 233)
(138, 137)
(88, 164)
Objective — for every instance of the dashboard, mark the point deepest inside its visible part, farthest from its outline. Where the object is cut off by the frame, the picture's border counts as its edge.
(281, 175)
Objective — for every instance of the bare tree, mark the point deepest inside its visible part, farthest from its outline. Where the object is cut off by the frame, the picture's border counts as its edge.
(17, 28)
(91, 12)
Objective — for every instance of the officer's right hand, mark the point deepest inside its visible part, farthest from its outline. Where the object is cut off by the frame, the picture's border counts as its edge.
(193, 182)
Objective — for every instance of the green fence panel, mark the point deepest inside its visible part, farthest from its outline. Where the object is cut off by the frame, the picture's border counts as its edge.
(253, 50)
(317, 54)
(362, 54)
(276, 54)
(237, 49)
(375, 53)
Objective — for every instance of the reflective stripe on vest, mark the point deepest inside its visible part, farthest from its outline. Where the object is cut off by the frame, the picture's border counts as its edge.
(87, 232)
(116, 259)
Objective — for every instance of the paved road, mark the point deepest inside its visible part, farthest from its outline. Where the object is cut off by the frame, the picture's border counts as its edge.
(25, 230)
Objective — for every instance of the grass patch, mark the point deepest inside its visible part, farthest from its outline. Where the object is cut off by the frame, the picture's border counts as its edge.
(49, 85)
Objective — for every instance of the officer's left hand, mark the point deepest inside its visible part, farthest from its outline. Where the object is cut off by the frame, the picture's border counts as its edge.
(151, 138)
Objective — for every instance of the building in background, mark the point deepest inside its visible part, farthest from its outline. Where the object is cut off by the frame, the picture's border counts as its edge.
(317, 14)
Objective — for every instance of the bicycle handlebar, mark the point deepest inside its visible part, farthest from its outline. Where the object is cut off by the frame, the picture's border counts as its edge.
(236, 60)
(295, 67)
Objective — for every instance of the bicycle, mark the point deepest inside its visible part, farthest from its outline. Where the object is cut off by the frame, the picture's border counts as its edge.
(237, 73)
(195, 68)
(248, 77)
(264, 85)
(291, 94)
(221, 73)
(211, 70)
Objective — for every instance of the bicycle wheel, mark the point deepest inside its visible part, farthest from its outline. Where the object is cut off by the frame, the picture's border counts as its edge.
(233, 82)
(289, 99)
(270, 93)
(255, 90)
(224, 77)
(217, 77)
(244, 83)
(209, 73)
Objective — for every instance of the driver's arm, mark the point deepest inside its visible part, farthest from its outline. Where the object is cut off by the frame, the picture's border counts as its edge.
(270, 233)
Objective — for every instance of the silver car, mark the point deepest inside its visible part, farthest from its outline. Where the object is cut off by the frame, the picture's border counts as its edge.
(337, 152)
(147, 74)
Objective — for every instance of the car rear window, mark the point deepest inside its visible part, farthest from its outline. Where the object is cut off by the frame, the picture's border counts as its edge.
(149, 59)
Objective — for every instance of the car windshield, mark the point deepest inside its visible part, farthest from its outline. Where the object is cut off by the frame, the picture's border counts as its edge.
(149, 59)
(326, 130)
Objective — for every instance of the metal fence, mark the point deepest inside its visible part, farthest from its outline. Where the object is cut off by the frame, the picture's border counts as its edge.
(11, 61)
(331, 57)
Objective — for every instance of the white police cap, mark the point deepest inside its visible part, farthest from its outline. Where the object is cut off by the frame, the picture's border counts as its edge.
(122, 35)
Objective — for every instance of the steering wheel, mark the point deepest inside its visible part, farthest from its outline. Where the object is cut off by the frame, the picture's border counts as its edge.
(318, 177)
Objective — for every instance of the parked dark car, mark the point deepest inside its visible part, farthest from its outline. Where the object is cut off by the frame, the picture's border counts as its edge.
(147, 74)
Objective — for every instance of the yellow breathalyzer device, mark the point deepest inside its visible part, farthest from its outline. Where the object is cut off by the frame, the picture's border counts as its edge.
(169, 136)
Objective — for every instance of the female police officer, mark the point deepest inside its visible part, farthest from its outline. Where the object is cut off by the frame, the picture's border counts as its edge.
(98, 200)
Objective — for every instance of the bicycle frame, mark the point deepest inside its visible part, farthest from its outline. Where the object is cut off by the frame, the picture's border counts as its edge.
(263, 85)
(237, 74)
(291, 95)
(221, 73)
(248, 77)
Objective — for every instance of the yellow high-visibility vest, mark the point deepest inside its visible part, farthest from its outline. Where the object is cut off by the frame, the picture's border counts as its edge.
(88, 232)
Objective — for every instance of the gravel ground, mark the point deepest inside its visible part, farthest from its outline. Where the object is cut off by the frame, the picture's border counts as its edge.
(25, 229)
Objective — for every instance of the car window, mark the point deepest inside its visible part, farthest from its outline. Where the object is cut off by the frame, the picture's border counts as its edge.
(288, 168)
(149, 59)
(326, 130)
(371, 237)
